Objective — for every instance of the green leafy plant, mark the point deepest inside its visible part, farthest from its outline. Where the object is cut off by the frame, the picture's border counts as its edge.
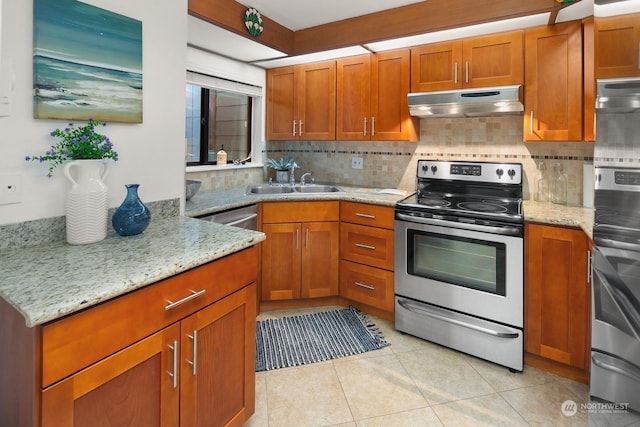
(77, 143)
(282, 165)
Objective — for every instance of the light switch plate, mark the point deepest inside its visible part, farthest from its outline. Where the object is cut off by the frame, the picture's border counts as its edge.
(356, 163)
(10, 188)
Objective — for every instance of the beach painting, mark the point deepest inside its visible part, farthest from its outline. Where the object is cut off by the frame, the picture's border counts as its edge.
(87, 63)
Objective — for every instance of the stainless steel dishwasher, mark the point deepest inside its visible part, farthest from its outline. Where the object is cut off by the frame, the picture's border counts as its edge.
(244, 217)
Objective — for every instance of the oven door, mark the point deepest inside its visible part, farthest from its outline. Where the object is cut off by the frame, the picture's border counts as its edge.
(472, 271)
(615, 324)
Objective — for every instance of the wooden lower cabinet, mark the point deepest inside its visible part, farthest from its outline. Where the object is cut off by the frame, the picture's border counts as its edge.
(299, 257)
(557, 295)
(139, 359)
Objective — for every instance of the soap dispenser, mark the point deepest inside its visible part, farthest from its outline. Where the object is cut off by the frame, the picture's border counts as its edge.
(558, 192)
(541, 184)
(221, 158)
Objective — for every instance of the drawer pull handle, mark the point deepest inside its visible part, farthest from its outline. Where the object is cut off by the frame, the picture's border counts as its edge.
(363, 246)
(174, 374)
(194, 294)
(365, 215)
(362, 285)
(194, 362)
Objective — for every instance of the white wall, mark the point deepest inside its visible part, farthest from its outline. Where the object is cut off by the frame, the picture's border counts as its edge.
(151, 153)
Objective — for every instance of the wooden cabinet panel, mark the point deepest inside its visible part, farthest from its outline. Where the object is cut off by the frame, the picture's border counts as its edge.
(368, 285)
(475, 62)
(281, 255)
(557, 294)
(301, 102)
(436, 66)
(372, 98)
(218, 362)
(320, 259)
(113, 325)
(553, 86)
(617, 45)
(390, 119)
(367, 245)
(281, 108)
(300, 211)
(131, 387)
(353, 108)
(366, 214)
(493, 60)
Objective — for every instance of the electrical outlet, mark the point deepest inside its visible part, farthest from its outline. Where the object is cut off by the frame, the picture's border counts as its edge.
(356, 163)
(10, 188)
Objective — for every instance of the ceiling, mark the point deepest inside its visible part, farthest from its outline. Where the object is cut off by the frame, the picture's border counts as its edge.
(301, 14)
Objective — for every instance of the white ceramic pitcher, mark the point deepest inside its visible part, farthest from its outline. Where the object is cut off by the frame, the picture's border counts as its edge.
(86, 201)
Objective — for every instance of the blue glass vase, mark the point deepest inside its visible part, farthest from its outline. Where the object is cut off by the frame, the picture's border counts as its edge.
(132, 217)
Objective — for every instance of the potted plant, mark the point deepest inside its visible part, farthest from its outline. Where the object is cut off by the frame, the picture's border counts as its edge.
(83, 151)
(282, 168)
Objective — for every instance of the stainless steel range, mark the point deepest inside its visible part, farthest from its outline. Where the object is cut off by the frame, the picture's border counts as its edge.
(459, 259)
(615, 315)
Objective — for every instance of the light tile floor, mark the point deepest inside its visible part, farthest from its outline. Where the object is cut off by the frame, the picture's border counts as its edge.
(416, 383)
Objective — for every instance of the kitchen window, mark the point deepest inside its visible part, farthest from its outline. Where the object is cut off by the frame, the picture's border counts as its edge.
(219, 115)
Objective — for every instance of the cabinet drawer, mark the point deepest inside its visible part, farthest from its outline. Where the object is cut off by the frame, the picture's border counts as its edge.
(368, 285)
(365, 214)
(300, 211)
(367, 245)
(81, 339)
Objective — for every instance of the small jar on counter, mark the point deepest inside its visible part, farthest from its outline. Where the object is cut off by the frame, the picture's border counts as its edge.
(541, 184)
(221, 158)
(558, 190)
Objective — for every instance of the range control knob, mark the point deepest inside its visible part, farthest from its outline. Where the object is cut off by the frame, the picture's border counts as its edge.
(499, 172)
(434, 168)
(425, 167)
(511, 173)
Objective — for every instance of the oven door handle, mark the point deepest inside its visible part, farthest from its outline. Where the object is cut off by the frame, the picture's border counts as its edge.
(509, 231)
(407, 305)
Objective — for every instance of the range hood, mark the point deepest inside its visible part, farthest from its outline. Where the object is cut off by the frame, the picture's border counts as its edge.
(500, 100)
(618, 95)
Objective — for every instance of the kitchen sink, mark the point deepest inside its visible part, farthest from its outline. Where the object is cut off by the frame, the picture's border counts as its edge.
(297, 188)
(316, 188)
(269, 189)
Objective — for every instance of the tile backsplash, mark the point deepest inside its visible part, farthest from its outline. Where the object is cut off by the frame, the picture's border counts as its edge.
(392, 164)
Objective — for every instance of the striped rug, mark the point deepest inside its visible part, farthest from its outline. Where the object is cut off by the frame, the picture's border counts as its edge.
(299, 340)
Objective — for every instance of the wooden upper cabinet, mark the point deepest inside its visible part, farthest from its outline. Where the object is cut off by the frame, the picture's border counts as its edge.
(301, 102)
(617, 45)
(372, 98)
(553, 83)
(492, 60)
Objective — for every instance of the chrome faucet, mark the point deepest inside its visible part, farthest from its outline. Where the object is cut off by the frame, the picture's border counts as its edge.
(302, 182)
(292, 177)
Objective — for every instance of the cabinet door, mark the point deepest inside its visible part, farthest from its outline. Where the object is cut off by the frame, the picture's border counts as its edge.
(316, 101)
(137, 386)
(281, 261)
(218, 362)
(493, 60)
(557, 294)
(617, 40)
(553, 87)
(281, 103)
(436, 67)
(390, 119)
(353, 105)
(320, 243)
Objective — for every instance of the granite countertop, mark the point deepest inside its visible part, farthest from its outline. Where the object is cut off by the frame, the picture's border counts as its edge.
(551, 214)
(210, 202)
(49, 281)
